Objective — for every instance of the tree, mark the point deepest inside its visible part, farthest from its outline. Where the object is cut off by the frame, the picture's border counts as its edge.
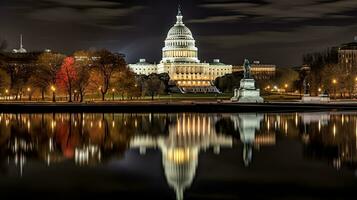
(83, 66)
(125, 83)
(4, 81)
(333, 78)
(229, 82)
(107, 64)
(154, 86)
(19, 69)
(286, 76)
(48, 66)
(66, 76)
(317, 62)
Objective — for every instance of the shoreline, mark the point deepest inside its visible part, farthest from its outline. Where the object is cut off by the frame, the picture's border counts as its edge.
(171, 107)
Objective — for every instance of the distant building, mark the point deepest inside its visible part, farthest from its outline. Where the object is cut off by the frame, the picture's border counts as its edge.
(21, 57)
(180, 61)
(347, 56)
(260, 71)
(21, 49)
(143, 68)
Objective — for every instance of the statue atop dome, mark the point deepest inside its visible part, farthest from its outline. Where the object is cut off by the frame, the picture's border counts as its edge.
(179, 16)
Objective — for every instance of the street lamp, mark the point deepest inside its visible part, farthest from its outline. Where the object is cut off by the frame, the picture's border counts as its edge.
(113, 91)
(29, 93)
(53, 89)
(6, 93)
(75, 95)
(334, 82)
(286, 87)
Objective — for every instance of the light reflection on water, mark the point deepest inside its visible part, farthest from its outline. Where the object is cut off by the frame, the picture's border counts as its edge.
(92, 139)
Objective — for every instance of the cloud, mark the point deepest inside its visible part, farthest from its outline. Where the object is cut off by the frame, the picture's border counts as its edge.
(213, 19)
(284, 10)
(106, 14)
(309, 35)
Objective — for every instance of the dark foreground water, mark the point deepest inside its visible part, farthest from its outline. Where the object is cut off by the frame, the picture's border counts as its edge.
(183, 156)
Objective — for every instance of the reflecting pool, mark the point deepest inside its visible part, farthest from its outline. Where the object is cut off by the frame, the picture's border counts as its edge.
(179, 156)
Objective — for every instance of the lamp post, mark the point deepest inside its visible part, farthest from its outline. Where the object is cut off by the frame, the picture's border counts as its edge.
(113, 93)
(75, 95)
(6, 94)
(29, 93)
(53, 89)
(286, 87)
(334, 82)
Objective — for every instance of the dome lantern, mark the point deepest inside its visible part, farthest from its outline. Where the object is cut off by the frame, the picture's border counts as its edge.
(179, 16)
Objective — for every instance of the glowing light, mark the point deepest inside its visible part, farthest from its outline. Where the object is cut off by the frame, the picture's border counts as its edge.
(53, 125)
(319, 125)
(343, 119)
(179, 155)
(334, 130)
(296, 119)
(53, 88)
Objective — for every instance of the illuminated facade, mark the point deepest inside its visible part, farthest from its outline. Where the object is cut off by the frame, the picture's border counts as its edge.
(259, 71)
(347, 56)
(180, 61)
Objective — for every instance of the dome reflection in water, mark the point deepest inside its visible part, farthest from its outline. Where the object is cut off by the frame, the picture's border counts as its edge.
(229, 149)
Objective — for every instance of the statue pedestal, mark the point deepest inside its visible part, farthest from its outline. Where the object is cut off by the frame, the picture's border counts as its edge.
(247, 93)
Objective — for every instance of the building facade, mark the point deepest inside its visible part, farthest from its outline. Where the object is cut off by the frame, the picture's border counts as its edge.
(180, 61)
(347, 56)
(259, 71)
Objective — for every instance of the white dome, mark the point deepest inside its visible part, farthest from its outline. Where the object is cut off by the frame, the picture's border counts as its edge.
(179, 43)
(179, 32)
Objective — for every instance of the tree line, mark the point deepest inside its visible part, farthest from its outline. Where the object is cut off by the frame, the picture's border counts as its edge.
(328, 75)
(83, 74)
(283, 77)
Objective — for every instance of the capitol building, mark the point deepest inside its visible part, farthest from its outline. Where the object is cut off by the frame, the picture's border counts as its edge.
(180, 61)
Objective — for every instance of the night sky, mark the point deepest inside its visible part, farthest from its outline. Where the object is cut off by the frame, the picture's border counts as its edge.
(272, 31)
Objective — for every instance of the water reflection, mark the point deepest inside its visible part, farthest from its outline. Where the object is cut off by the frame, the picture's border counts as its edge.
(187, 136)
(91, 139)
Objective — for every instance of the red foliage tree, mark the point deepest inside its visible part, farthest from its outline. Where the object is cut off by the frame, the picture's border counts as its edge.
(66, 76)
